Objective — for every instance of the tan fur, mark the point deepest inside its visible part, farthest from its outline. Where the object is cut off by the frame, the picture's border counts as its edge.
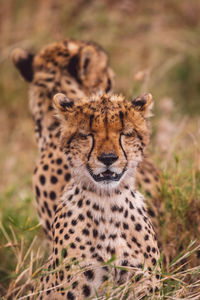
(100, 218)
(77, 69)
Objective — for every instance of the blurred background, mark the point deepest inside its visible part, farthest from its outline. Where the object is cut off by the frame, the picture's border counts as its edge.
(154, 46)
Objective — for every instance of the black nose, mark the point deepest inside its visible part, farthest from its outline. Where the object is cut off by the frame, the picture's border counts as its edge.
(107, 158)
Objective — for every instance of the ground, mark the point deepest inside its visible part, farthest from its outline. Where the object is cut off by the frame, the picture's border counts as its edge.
(152, 47)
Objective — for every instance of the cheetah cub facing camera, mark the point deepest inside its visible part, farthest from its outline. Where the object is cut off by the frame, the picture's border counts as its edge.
(101, 231)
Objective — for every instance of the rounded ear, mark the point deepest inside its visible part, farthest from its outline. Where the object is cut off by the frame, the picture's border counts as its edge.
(91, 61)
(23, 60)
(62, 103)
(143, 104)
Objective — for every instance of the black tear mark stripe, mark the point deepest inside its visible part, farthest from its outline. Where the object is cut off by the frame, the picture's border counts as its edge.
(93, 144)
(120, 142)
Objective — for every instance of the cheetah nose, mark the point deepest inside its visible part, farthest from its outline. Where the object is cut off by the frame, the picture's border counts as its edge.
(107, 158)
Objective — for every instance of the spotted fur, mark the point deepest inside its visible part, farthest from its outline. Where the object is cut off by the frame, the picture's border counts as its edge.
(77, 69)
(101, 214)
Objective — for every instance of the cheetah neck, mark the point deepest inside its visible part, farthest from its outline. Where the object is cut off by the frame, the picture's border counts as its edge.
(120, 220)
(106, 206)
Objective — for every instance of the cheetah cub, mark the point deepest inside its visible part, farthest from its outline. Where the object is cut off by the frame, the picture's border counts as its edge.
(101, 231)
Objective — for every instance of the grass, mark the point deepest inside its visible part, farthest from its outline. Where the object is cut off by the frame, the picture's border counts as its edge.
(153, 46)
(177, 282)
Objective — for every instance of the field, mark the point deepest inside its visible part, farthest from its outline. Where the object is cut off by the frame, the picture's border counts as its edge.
(153, 47)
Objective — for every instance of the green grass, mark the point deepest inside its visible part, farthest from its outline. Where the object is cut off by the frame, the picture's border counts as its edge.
(18, 227)
(158, 38)
(175, 283)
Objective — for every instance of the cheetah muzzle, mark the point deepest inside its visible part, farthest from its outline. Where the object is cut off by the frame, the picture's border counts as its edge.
(106, 176)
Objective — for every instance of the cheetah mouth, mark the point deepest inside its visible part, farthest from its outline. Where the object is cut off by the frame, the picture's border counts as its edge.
(107, 175)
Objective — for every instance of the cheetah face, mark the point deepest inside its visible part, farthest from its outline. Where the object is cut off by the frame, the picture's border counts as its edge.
(103, 136)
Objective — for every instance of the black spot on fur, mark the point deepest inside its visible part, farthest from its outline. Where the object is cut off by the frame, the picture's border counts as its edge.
(67, 177)
(85, 231)
(37, 191)
(54, 179)
(48, 225)
(86, 290)
(138, 227)
(59, 161)
(153, 261)
(45, 167)
(89, 274)
(151, 212)
(70, 296)
(52, 195)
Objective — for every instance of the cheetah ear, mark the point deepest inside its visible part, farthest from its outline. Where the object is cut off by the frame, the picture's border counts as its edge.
(62, 103)
(143, 104)
(92, 60)
(23, 60)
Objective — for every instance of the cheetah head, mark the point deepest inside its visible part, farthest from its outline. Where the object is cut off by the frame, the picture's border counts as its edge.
(104, 137)
(85, 62)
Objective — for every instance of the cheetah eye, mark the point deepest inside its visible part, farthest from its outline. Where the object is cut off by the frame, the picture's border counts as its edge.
(83, 135)
(128, 133)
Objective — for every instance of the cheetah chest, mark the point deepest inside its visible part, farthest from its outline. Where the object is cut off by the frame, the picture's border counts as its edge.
(102, 229)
